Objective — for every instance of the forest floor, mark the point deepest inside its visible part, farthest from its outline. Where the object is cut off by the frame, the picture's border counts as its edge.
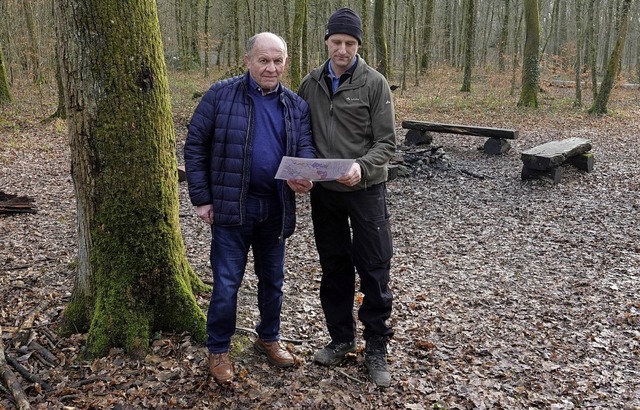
(509, 294)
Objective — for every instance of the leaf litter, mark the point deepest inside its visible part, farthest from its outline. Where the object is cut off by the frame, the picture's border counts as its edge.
(509, 294)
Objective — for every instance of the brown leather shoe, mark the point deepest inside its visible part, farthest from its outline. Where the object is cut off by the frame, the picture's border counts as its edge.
(220, 367)
(277, 355)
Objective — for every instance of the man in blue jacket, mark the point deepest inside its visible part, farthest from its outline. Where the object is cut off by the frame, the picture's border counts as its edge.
(238, 134)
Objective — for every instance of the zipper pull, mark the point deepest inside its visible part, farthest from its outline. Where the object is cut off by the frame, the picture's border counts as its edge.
(331, 109)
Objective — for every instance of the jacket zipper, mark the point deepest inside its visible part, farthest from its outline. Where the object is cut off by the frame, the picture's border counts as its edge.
(287, 122)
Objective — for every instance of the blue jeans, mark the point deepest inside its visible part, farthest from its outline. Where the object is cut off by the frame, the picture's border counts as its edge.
(229, 249)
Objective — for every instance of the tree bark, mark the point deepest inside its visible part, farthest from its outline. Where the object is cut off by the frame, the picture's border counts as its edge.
(34, 45)
(577, 102)
(206, 46)
(531, 65)
(364, 15)
(380, 38)
(469, 22)
(613, 67)
(516, 47)
(427, 31)
(295, 51)
(133, 277)
(5, 93)
(504, 36)
(592, 49)
(236, 33)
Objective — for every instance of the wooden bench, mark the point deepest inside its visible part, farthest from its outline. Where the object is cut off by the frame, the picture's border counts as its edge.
(544, 161)
(497, 142)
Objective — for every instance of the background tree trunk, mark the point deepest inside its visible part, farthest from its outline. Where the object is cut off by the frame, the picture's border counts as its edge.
(600, 103)
(504, 36)
(380, 38)
(5, 93)
(578, 63)
(531, 57)
(295, 49)
(206, 46)
(133, 277)
(592, 48)
(425, 60)
(61, 110)
(516, 49)
(34, 45)
(469, 23)
(364, 15)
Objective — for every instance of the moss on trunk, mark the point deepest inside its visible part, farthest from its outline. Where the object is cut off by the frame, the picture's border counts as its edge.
(5, 94)
(126, 176)
(531, 59)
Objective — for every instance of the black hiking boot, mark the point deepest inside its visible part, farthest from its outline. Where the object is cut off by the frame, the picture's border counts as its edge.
(375, 359)
(333, 353)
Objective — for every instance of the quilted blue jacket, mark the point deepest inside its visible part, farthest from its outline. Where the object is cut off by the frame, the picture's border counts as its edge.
(218, 150)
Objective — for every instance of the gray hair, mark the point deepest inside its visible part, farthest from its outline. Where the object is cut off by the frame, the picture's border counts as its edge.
(252, 41)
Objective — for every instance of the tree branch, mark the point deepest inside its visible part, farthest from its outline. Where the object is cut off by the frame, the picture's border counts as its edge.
(22, 403)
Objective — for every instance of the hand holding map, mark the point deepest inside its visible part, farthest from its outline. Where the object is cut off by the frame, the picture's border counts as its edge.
(313, 169)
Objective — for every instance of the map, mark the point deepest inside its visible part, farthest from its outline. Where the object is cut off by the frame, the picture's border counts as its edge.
(313, 169)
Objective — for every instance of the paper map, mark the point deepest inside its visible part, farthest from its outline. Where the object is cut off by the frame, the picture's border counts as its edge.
(313, 169)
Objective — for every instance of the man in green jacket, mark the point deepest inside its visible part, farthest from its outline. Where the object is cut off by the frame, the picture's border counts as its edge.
(352, 117)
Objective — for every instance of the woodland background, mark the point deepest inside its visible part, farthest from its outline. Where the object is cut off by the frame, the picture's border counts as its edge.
(202, 34)
(509, 293)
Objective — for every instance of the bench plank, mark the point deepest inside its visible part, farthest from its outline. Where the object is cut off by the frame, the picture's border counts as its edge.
(500, 133)
(552, 154)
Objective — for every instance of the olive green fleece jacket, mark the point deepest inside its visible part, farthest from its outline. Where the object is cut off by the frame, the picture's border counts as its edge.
(358, 123)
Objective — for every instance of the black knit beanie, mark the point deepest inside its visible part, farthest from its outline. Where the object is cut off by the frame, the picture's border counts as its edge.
(344, 21)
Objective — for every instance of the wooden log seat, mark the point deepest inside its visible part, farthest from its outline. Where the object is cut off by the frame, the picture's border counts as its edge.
(544, 161)
(497, 137)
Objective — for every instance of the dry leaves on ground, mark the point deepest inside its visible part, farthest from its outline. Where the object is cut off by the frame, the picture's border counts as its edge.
(508, 294)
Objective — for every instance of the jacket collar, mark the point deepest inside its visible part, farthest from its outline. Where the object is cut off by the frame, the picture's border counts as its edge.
(357, 76)
(251, 84)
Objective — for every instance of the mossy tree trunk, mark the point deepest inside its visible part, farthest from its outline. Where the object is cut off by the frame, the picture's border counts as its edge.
(133, 277)
(5, 93)
(613, 67)
(380, 38)
(364, 15)
(531, 56)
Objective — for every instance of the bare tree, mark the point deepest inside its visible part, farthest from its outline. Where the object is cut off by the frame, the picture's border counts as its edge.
(364, 15)
(132, 275)
(380, 38)
(577, 102)
(504, 36)
(206, 39)
(296, 47)
(592, 48)
(5, 93)
(613, 67)
(469, 27)
(34, 45)
(427, 30)
(531, 58)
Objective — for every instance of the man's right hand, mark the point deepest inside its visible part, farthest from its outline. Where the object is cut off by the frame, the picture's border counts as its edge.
(205, 212)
